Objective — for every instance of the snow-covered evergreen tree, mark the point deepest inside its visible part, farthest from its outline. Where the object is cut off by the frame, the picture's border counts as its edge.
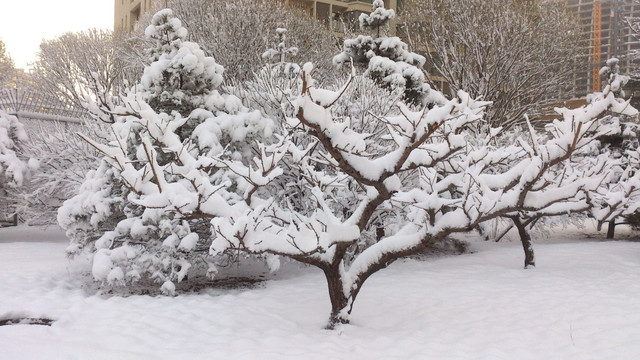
(387, 59)
(137, 212)
(621, 193)
(12, 168)
(272, 86)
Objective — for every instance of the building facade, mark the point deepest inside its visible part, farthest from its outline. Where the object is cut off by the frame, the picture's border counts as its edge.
(127, 12)
(334, 13)
(605, 34)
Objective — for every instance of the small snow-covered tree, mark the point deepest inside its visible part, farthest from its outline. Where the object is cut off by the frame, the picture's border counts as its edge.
(586, 163)
(13, 164)
(167, 132)
(272, 85)
(386, 59)
(621, 193)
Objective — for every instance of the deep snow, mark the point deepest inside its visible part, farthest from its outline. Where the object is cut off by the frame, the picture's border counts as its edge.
(581, 302)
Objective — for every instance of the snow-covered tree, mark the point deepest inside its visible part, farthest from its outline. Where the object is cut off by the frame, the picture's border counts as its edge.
(75, 66)
(621, 194)
(419, 171)
(386, 59)
(275, 83)
(64, 160)
(418, 168)
(167, 132)
(518, 54)
(586, 163)
(237, 32)
(7, 67)
(13, 166)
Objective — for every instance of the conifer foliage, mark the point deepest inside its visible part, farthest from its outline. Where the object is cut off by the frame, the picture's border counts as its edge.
(12, 167)
(387, 59)
(135, 212)
(621, 194)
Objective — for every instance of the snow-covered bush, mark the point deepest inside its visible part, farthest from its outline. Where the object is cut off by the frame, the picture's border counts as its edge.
(138, 211)
(14, 164)
(12, 167)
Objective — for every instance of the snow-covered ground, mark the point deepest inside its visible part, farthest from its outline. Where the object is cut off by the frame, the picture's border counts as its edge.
(581, 302)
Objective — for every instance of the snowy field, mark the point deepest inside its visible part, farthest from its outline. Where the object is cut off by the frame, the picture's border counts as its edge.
(581, 302)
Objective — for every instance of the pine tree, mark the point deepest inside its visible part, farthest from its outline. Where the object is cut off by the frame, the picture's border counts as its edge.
(12, 166)
(623, 147)
(387, 59)
(167, 135)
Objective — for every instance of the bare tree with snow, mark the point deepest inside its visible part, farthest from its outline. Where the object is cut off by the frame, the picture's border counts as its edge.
(517, 54)
(237, 32)
(82, 65)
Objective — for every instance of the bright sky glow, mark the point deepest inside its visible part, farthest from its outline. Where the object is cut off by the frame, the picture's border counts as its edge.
(24, 23)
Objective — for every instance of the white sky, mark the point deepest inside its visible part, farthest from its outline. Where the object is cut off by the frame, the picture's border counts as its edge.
(24, 23)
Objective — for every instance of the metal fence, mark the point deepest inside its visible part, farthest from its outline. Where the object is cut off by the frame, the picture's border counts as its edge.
(36, 105)
(39, 113)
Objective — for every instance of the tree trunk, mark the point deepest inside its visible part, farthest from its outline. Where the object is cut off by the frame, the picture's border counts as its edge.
(611, 229)
(340, 304)
(525, 238)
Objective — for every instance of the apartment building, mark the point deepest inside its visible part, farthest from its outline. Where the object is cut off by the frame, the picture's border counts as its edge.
(127, 13)
(334, 13)
(605, 35)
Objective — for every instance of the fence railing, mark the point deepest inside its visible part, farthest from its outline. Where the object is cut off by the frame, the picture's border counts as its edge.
(36, 105)
(39, 113)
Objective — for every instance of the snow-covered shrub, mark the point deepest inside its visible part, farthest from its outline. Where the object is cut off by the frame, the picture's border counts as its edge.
(138, 211)
(12, 166)
(621, 193)
(386, 59)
